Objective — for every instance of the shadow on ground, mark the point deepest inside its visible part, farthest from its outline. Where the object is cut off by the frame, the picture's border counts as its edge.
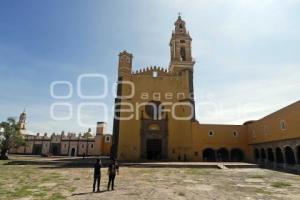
(61, 162)
(85, 193)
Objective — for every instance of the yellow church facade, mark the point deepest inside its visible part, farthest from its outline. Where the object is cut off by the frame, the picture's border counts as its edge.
(155, 117)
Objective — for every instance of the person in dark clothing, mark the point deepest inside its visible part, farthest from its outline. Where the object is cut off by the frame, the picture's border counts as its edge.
(113, 169)
(97, 175)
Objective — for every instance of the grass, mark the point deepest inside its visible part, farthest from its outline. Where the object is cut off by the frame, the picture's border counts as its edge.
(43, 183)
(20, 181)
(280, 184)
(257, 176)
(72, 189)
(181, 194)
(56, 196)
(23, 191)
(195, 171)
(261, 191)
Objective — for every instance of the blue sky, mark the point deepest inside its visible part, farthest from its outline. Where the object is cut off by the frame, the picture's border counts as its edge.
(246, 52)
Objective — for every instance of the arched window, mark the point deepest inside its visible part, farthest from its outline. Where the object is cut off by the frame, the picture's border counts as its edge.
(283, 125)
(107, 139)
(235, 133)
(182, 54)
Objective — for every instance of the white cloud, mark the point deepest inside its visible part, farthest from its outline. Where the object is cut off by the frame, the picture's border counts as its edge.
(249, 99)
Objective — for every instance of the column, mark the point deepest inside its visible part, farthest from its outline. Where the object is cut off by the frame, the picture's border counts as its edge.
(216, 156)
(259, 156)
(284, 158)
(297, 159)
(296, 156)
(275, 157)
(267, 157)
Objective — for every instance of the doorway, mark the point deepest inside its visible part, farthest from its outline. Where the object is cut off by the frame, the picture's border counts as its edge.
(154, 149)
(55, 149)
(73, 152)
(37, 149)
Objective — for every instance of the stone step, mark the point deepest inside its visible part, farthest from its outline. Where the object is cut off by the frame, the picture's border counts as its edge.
(221, 166)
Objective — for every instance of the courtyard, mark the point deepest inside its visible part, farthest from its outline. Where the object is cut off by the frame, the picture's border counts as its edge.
(26, 177)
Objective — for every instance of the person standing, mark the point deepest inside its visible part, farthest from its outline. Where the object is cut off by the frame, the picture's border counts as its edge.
(97, 175)
(113, 169)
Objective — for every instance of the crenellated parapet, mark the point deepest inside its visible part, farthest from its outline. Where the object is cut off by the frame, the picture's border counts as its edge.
(59, 136)
(154, 71)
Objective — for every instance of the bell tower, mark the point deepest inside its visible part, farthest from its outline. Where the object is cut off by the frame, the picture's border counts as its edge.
(22, 120)
(125, 63)
(180, 48)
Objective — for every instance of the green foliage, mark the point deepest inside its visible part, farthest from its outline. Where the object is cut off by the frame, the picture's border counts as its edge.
(72, 189)
(280, 184)
(10, 137)
(181, 194)
(257, 176)
(87, 135)
(261, 191)
(57, 196)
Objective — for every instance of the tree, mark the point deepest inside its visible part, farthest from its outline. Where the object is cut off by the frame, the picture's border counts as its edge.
(88, 133)
(10, 137)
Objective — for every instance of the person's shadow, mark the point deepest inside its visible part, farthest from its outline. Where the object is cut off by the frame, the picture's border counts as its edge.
(85, 193)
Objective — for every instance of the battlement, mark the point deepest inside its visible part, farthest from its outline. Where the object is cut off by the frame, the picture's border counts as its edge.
(57, 137)
(155, 71)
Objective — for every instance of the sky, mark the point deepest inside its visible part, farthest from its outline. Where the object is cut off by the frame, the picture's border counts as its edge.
(246, 52)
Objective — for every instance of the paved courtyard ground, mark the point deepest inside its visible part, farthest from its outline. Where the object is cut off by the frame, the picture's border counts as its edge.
(43, 180)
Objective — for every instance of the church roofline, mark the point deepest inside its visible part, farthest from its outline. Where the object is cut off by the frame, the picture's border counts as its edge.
(280, 110)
